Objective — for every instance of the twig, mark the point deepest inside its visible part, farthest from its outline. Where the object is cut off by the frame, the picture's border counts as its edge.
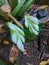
(12, 18)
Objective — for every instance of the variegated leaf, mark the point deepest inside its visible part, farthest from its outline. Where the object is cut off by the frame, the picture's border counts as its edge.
(17, 36)
(32, 23)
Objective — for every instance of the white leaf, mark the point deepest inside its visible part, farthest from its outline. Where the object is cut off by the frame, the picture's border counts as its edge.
(26, 22)
(17, 35)
(11, 26)
(13, 36)
(35, 26)
(34, 31)
(32, 24)
(20, 45)
(22, 38)
(19, 30)
(15, 28)
(33, 19)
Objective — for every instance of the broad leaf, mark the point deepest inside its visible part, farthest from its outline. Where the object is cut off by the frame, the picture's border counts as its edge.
(20, 45)
(17, 35)
(32, 23)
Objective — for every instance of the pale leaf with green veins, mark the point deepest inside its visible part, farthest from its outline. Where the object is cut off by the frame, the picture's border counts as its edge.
(32, 23)
(17, 35)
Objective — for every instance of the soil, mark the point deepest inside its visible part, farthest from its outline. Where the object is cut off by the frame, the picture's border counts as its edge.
(37, 50)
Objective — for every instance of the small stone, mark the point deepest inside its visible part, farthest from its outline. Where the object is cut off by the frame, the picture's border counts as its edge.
(41, 14)
(6, 42)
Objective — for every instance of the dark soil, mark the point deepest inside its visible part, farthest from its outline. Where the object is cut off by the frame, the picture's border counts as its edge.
(37, 50)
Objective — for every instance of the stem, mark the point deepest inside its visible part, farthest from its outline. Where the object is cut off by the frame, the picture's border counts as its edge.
(41, 8)
(11, 17)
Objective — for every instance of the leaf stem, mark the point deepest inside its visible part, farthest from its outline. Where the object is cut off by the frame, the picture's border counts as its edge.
(12, 18)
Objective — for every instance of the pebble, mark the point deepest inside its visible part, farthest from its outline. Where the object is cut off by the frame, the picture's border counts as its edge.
(41, 14)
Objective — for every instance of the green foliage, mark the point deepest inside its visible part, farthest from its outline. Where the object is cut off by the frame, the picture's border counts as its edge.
(17, 8)
(3, 62)
(40, 26)
(25, 7)
(21, 7)
(2, 2)
(32, 23)
(14, 3)
(29, 36)
(31, 26)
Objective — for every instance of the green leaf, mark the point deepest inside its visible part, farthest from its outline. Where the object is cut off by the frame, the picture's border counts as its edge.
(3, 2)
(17, 8)
(28, 35)
(14, 3)
(40, 25)
(20, 45)
(25, 7)
(6, 1)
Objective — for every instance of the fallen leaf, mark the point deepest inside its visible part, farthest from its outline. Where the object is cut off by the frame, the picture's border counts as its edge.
(44, 62)
(13, 54)
(6, 42)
